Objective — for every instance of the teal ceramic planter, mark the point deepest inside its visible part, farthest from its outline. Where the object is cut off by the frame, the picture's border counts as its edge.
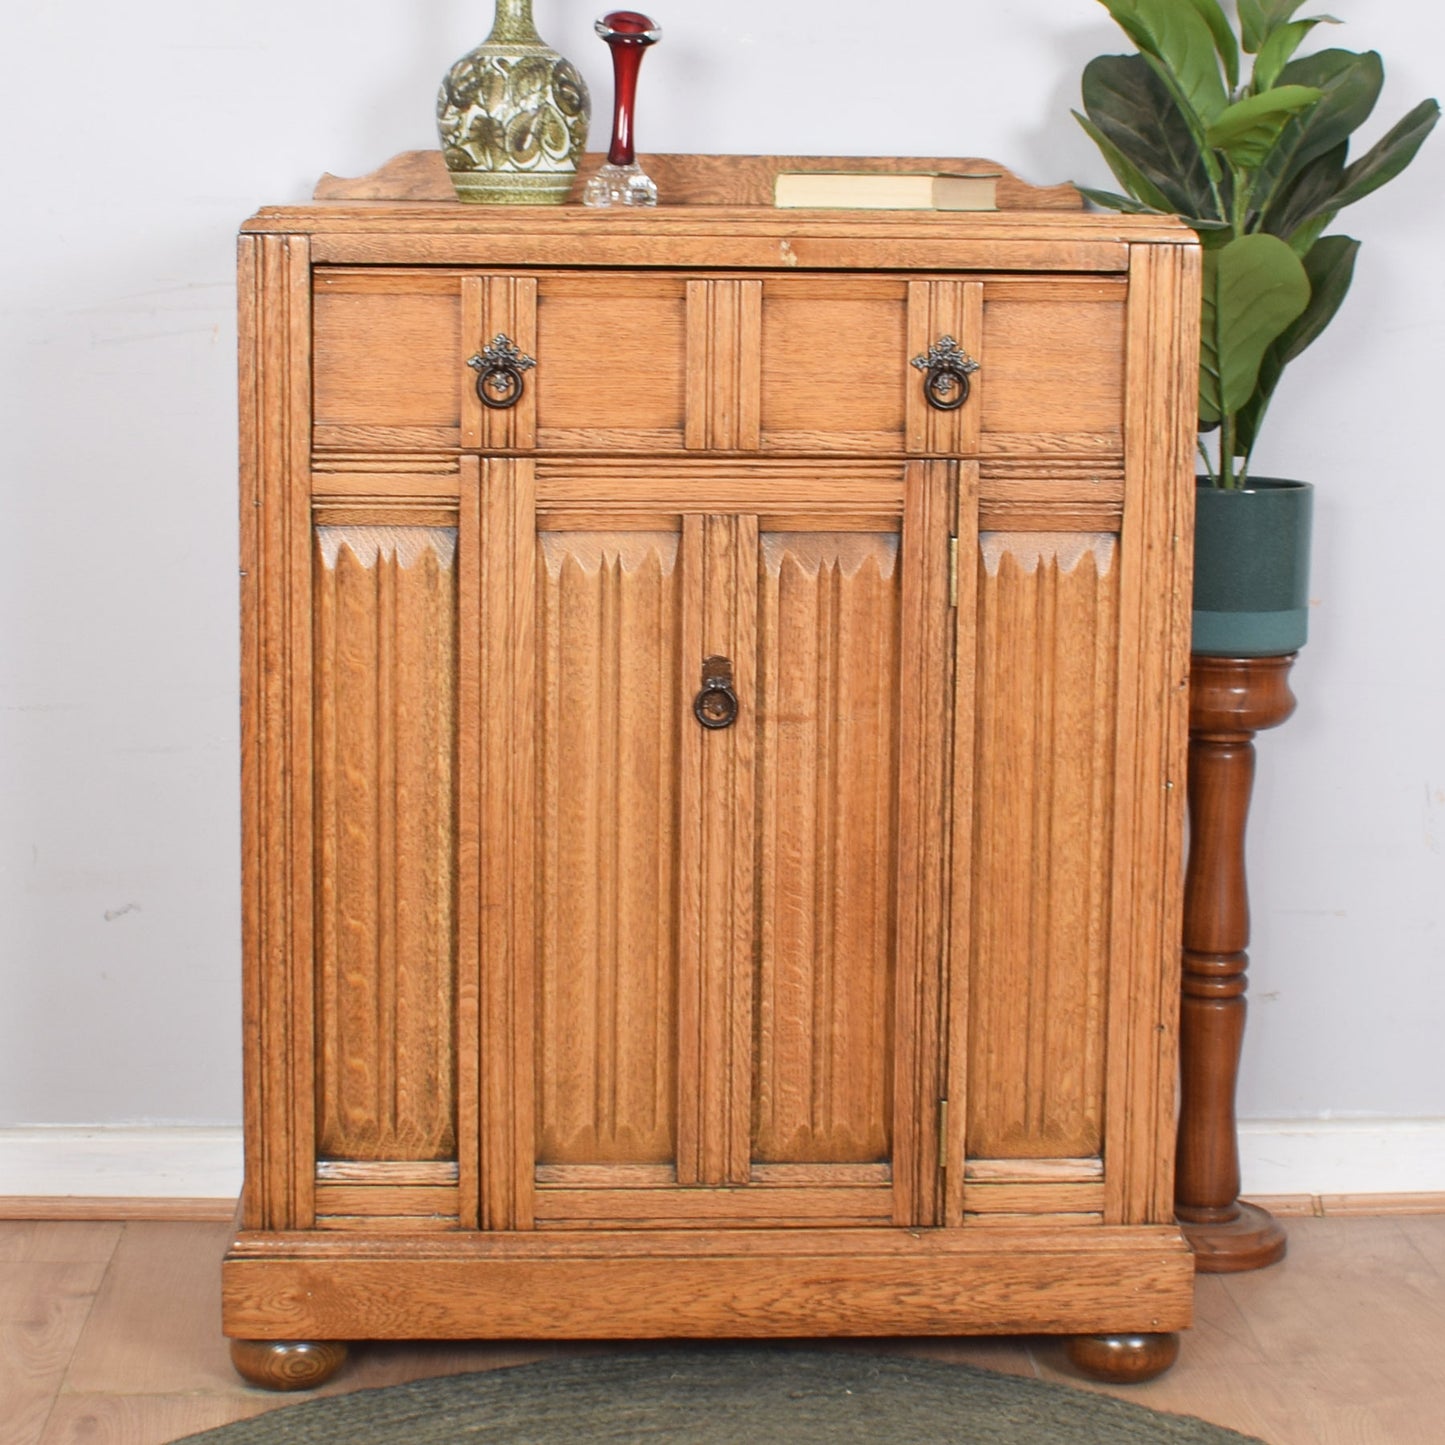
(1252, 568)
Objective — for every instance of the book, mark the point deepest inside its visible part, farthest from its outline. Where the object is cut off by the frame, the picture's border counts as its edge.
(886, 190)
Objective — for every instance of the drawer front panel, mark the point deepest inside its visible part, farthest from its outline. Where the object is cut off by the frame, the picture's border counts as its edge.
(656, 362)
(1052, 379)
(611, 362)
(834, 364)
(387, 370)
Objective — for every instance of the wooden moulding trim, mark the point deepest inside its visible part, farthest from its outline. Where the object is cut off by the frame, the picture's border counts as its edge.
(664, 1176)
(67, 1207)
(1362, 1206)
(1034, 1171)
(932, 1245)
(83, 1207)
(1033, 1199)
(382, 1201)
(1016, 1285)
(734, 249)
(387, 1171)
(350, 486)
(776, 1207)
(695, 180)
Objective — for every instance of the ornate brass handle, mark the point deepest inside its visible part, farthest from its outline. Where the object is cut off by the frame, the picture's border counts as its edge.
(716, 706)
(946, 367)
(499, 369)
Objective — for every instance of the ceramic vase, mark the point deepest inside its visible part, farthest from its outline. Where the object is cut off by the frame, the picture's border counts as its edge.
(512, 115)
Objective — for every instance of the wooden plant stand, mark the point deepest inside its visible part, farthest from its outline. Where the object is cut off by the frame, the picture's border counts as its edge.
(1230, 700)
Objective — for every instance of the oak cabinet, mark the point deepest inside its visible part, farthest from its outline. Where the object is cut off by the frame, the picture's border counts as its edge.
(711, 824)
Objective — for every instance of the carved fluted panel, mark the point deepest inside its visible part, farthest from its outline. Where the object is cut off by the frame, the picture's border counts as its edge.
(610, 693)
(828, 685)
(385, 722)
(1044, 746)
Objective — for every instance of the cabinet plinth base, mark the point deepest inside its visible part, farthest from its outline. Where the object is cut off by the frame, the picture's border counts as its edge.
(1252, 1239)
(1124, 1359)
(287, 1364)
(701, 1284)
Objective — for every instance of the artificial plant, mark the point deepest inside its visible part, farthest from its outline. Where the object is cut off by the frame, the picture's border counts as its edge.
(1259, 166)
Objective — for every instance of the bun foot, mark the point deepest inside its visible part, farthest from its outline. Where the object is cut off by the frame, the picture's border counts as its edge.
(1252, 1239)
(1123, 1359)
(287, 1364)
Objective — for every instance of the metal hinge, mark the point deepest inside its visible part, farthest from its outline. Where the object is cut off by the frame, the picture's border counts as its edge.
(943, 1136)
(953, 571)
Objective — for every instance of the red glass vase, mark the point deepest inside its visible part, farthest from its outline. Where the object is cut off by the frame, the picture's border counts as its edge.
(622, 182)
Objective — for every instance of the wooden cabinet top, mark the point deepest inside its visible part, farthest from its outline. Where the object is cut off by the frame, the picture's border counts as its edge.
(400, 215)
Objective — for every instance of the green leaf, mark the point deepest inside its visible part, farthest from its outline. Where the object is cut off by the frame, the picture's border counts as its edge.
(1253, 289)
(1277, 50)
(1225, 44)
(1258, 19)
(1176, 37)
(1247, 131)
(1388, 156)
(1330, 267)
(1307, 237)
(1114, 202)
(1251, 25)
(1351, 84)
(1130, 105)
(1125, 171)
(1308, 194)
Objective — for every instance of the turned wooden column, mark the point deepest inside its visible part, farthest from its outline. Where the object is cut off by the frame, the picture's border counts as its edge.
(1230, 699)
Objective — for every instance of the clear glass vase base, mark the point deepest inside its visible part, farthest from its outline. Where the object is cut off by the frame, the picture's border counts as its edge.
(620, 186)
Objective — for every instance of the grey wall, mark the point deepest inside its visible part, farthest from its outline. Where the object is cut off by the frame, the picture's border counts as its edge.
(139, 136)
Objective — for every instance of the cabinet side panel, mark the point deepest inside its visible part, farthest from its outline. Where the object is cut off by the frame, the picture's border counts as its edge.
(609, 692)
(1044, 753)
(275, 342)
(385, 708)
(1156, 545)
(828, 621)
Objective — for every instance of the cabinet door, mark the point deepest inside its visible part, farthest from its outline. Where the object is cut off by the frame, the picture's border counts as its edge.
(1034, 893)
(709, 955)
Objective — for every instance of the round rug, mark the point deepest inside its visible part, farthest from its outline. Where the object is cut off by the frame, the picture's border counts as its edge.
(726, 1396)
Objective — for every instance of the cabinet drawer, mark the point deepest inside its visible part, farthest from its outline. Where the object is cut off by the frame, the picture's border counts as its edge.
(817, 364)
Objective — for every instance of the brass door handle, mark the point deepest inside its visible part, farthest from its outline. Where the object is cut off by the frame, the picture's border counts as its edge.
(499, 369)
(946, 367)
(716, 706)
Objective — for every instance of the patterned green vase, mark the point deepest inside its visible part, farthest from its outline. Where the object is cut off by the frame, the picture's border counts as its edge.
(512, 115)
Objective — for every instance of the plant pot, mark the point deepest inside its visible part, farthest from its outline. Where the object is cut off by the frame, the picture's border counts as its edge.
(1252, 568)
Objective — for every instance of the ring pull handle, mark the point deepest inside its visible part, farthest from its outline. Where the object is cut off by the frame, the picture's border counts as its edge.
(946, 367)
(716, 706)
(499, 369)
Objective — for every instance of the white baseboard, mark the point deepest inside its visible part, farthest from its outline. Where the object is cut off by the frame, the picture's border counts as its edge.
(1342, 1156)
(1277, 1157)
(140, 1162)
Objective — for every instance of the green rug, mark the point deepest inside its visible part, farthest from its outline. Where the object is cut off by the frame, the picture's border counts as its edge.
(742, 1395)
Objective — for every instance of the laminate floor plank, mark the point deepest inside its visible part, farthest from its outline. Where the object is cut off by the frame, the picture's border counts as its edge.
(145, 1419)
(48, 1241)
(1427, 1233)
(1360, 1288)
(43, 1310)
(111, 1334)
(155, 1326)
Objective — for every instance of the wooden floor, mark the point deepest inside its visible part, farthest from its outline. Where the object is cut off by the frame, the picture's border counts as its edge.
(108, 1332)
